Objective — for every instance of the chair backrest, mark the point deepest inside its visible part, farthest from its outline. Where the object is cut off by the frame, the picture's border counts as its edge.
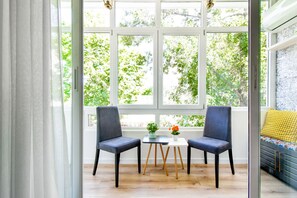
(108, 123)
(218, 123)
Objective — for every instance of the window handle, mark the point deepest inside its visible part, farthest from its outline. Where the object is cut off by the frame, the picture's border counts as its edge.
(279, 161)
(275, 160)
(75, 79)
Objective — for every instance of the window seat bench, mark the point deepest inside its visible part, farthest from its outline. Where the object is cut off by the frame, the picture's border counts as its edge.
(279, 158)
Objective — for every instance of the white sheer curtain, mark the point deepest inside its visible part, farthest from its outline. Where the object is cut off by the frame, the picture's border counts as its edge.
(33, 143)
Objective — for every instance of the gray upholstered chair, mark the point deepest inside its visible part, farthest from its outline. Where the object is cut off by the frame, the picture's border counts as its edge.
(216, 137)
(110, 139)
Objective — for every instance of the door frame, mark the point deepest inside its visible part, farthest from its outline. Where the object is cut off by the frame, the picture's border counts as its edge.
(253, 109)
(77, 98)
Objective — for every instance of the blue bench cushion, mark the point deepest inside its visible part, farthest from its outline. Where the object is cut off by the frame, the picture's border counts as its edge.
(210, 145)
(119, 144)
(283, 144)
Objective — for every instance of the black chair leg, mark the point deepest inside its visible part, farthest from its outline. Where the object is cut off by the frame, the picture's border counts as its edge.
(217, 170)
(139, 158)
(231, 161)
(96, 161)
(205, 157)
(189, 159)
(117, 162)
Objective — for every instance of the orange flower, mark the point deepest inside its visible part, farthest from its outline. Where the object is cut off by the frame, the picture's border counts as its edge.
(175, 128)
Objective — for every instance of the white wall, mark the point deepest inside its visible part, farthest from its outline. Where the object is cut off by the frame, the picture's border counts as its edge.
(239, 142)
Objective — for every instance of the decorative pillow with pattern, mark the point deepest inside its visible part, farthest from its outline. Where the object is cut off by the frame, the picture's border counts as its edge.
(281, 125)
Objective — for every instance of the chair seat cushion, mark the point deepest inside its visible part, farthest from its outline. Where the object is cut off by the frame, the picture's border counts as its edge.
(119, 144)
(210, 145)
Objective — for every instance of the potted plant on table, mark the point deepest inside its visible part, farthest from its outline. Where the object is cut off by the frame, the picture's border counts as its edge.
(152, 128)
(174, 132)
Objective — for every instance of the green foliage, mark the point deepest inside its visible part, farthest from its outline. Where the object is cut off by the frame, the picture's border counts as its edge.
(263, 70)
(96, 70)
(175, 133)
(132, 68)
(227, 17)
(186, 17)
(227, 69)
(137, 18)
(152, 127)
(227, 64)
(67, 65)
(180, 57)
(191, 121)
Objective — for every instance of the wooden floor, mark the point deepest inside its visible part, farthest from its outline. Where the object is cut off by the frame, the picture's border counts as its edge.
(200, 183)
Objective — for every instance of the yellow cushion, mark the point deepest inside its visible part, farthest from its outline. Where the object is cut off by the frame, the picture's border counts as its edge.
(281, 125)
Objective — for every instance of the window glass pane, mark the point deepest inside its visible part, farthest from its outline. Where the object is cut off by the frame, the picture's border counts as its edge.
(66, 19)
(180, 70)
(96, 15)
(136, 120)
(135, 14)
(227, 69)
(135, 69)
(228, 14)
(264, 60)
(264, 8)
(182, 120)
(66, 47)
(264, 68)
(66, 63)
(96, 69)
(181, 14)
(92, 120)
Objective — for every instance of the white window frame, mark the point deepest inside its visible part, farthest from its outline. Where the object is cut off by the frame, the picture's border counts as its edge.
(198, 32)
(157, 108)
(114, 73)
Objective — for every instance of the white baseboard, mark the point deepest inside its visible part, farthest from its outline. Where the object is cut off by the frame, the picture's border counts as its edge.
(169, 160)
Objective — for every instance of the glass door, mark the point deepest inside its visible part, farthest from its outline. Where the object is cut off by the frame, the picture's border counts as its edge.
(67, 67)
(278, 147)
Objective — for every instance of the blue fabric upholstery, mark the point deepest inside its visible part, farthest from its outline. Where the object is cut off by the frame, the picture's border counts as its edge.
(218, 123)
(217, 131)
(109, 131)
(119, 144)
(110, 139)
(210, 145)
(216, 138)
(108, 124)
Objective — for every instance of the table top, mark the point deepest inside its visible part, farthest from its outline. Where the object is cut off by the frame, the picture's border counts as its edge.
(160, 139)
(179, 142)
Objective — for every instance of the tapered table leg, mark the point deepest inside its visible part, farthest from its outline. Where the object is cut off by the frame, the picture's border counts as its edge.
(167, 151)
(181, 159)
(147, 158)
(175, 164)
(164, 161)
(156, 155)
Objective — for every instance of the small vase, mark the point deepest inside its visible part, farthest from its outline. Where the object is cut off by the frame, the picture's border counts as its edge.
(152, 135)
(175, 137)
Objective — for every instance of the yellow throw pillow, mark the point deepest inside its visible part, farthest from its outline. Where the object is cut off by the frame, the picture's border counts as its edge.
(281, 125)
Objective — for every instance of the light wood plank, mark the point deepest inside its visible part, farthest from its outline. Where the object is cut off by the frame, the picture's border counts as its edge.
(200, 183)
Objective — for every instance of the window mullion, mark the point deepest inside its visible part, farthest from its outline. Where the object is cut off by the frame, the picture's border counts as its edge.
(156, 69)
(113, 69)
(158, 14)
(202, 70)
(160, 69)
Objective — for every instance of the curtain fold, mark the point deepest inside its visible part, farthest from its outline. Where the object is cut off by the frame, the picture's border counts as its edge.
(33, 141)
